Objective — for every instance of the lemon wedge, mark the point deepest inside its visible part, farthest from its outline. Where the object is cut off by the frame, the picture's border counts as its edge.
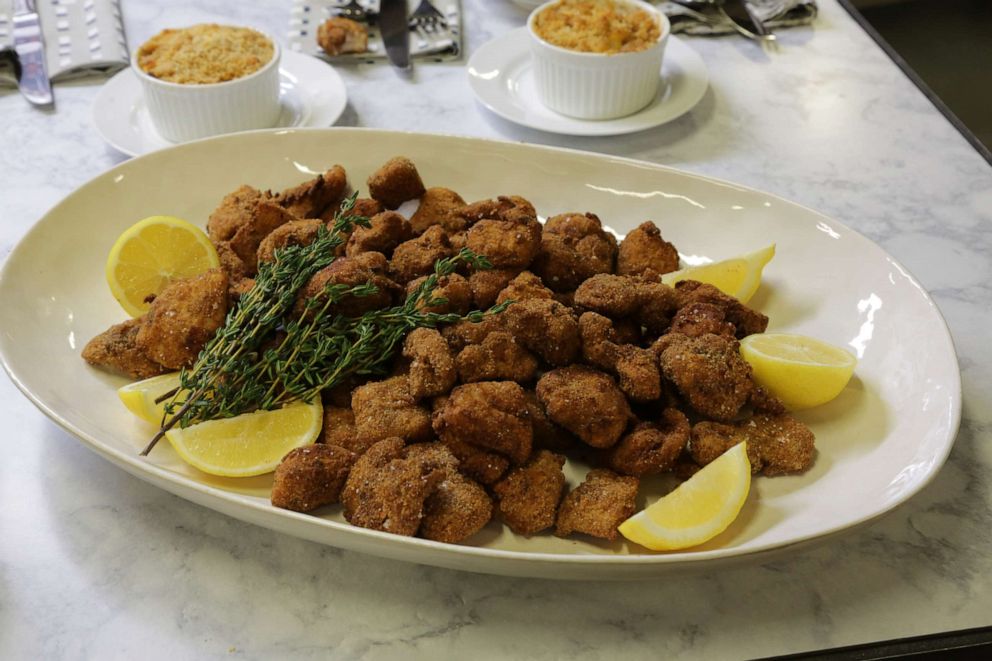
(250, 443)
(698, 509)
(139, 397)
(738, 276)
(153, 253)
(801, 371)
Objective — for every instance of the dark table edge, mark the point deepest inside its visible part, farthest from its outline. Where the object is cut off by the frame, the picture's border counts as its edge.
(933, 646)
(915, 78)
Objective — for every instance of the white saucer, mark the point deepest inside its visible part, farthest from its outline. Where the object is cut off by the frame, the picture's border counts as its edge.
(311, 94)
(500, 74)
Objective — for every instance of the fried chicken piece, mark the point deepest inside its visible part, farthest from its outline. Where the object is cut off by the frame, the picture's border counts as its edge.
(508, 244)
(458, 507)
(439, 206)
(651, 447)
(487, 285)
(453, 288)
(598, 506)
(388, 230)
(528, 497)
(586, 402)
(339, 429)
(627, 331)
(340, 36)
(432, 369)
(523, 287)
(763, 401)
(387, 408)
(708, 371)
(504, 207)
(293, 233)
(497, 358)
(243, 219)
(491, 415)
(637, 368)
(574, 247)
(700, 318)
(644, 249)
(116, 349)
(464, 333)
(776, 444)
(659, 304)
(183, 318)
(386, 490)
(476, 463)
(395, 182)
(745, 320)
(234, 266)
(351, 271)
(311, 198)
(545, 327)
(364, 206)
(416, 257)
(547, 434)
(311, 477)
(613, 296)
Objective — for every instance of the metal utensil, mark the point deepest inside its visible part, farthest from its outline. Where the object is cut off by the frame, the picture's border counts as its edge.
(395, 32)
(32, 72)
(354, 12)
(428, 18)
(745, 21)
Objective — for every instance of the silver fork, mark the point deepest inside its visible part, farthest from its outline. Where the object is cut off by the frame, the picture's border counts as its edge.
(352, 11)
(427, 18)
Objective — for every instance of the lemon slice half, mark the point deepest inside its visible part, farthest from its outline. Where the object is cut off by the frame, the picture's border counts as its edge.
(698, 509)
(153, 253)
(139, 397)
(250, 443)
(801, 371)
(739, 277)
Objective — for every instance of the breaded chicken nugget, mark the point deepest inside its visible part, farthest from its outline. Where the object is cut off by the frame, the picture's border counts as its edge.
(586, 402)
(339, 429)
(387, 408)
(651, 447)
(658, 305)
(432, 368)
(233, 212)
(364, 206)
(598, 505)
(700, 318)
(243, 219)
(339, 36)
(481, 465)
(293, 233)
(745, 320)
(311, 198)
(395, 182)
(491, 415)
(311, 477)
(574, 247)
(528, 497)
(763, 401)
(547, 434)
(416, 257)
(497, 358)
(546, 327)
(708, 372)
(464, 333)
(486, 285)
(523, 287)
(507, 244)
(388, 230)
(439, 206)
(637, 368)
(183, 318)
(504, 207)
(453, 288)
(456, 509)
(613, 296)
(644, 249)
(351, 271)
(234, 266)
(386, 491)
(116, 349)
(776, 444)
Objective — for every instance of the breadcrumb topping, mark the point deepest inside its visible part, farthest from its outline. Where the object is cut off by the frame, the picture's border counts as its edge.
(598, 26)
(204, 54)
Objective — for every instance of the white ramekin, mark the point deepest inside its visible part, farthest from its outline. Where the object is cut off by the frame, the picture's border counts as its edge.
(187, 112)
(596, 85)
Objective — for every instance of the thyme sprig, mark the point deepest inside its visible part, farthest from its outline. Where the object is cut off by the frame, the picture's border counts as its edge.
(265, 356)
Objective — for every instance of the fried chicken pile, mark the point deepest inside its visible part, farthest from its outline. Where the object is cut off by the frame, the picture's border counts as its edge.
(593, 357)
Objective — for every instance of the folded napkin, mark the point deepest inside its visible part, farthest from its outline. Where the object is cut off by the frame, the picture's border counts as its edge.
(307, 15)
(773, 13)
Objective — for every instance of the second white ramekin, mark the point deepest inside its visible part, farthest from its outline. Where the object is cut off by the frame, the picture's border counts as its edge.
(187, 112)
(596, 85)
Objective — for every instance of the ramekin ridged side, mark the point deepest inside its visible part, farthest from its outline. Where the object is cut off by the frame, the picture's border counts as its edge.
(187, 112)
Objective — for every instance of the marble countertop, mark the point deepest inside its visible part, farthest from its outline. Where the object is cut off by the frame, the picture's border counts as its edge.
(97, 564)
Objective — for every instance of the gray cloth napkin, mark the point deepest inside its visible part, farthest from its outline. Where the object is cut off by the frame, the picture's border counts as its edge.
(773, 13)
(307, 15)
(82, 37)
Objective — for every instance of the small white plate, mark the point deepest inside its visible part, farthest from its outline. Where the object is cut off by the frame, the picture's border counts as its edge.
(311, 94)
(501, 76)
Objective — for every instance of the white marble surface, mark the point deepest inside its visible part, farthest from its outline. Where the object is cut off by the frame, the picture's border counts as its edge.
(96, 564)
